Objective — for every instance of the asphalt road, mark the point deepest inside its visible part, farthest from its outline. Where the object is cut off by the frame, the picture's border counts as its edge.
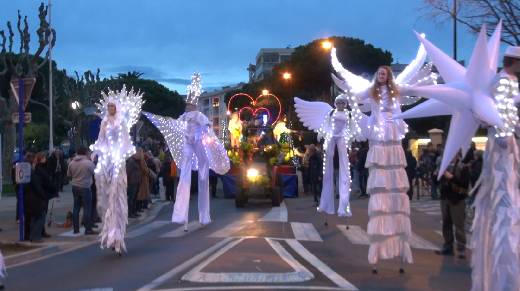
(253, 248)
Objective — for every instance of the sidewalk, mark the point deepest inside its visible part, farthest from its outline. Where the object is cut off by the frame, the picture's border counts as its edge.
(62, 239)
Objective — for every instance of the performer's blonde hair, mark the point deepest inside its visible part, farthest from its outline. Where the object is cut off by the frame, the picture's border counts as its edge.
(390, 84)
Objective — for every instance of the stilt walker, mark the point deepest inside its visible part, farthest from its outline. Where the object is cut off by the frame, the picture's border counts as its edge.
(120, 111)
(389, 226)
(338, 127)
(489, 99)
(193, 145)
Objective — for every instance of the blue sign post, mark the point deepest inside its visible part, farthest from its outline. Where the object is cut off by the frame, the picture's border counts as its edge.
(21, 122)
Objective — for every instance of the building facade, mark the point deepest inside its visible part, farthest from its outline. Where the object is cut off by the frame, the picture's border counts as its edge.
(213, 105)
(266, 59)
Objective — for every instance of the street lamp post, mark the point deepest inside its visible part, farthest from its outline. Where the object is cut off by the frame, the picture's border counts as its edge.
(327, 45)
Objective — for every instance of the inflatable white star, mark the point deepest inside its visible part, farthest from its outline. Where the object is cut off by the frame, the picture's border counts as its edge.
(466, 95)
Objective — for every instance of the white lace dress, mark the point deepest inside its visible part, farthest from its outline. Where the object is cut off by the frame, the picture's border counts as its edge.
(389, 226)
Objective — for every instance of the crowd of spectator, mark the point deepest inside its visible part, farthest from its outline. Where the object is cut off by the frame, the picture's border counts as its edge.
(145, 170)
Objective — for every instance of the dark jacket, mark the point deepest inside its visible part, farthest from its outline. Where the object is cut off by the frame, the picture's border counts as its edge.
(38, 191)
(455, 189)
(133, 171)
(315, 166)
(411, 164)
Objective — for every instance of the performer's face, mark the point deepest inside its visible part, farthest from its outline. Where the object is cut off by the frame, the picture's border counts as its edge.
(340, 105)
(516, 66)
(382, 76)
(111, 109)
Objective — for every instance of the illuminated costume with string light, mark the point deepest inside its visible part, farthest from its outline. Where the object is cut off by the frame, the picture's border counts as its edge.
(193, 145)
(2, 267)
(389, 226)
(474, 96)
(495, 240)
(113, 147)
(337, 128)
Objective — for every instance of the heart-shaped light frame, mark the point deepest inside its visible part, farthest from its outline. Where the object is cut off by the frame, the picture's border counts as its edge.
(253, 109)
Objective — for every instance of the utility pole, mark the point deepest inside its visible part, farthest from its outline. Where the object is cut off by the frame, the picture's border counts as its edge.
(454, 29)
(51, 118)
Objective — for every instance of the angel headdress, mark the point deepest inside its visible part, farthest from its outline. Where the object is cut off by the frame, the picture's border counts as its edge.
(120, 110)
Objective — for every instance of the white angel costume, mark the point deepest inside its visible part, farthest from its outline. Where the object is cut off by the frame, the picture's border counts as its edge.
(113, 147)
(389, 226)
(337, 128)
(2, 266)
(476, 95)
(193, 145)
(495, 240)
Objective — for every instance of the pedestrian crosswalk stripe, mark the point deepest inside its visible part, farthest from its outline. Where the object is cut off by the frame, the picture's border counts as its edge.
(305, 231)
(231, 228)
(438, 212)
(278, 214)
(359, 236)
(179, 231)
(355, 234)
(147, 228)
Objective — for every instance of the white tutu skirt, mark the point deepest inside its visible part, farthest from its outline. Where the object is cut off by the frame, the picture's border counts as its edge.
(389, 226)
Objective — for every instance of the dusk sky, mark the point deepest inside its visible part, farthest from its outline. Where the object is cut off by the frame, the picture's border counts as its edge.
(168, 40)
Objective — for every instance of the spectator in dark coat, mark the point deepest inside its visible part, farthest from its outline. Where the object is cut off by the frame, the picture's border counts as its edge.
(454, 190)
(411, 169)
(37, 195)
(57, 168)
(363, 172)
(315, 172)
(168, 173)
(133, 176)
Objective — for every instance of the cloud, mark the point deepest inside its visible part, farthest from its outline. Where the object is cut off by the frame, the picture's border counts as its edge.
(179, 81)
(148, 71)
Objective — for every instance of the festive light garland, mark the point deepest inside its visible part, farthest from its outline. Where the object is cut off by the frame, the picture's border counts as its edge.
(504, 92)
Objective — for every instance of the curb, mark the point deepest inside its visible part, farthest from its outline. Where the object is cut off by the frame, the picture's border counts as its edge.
(55, 248)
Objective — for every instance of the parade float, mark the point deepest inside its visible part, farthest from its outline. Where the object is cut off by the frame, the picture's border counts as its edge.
(260, 149)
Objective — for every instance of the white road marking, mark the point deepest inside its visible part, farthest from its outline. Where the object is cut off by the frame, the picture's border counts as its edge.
(305, 231)
(300, 273)
(179, 232)
(255, 287)
(321, 266)
(231, 228)
(355, 234)
(438, 212)
(184, 266)
(278, 214)
(418, 242)
(359, 236)
(98, 289)
(147, 228)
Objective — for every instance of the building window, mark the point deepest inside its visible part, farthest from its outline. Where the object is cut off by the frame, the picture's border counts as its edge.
(216, 102)
(271, 58)
(284, 58)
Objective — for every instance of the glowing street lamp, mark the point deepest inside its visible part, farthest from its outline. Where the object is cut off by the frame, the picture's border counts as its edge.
(286, 76)
(265, 92)
(75, 105)
(326, 45)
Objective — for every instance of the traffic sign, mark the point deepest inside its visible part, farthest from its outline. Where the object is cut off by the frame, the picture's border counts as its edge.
(28, 84)
(23, 173)
(15, 117)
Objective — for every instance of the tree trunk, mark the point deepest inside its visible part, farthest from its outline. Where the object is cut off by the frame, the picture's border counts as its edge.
(8, 131)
